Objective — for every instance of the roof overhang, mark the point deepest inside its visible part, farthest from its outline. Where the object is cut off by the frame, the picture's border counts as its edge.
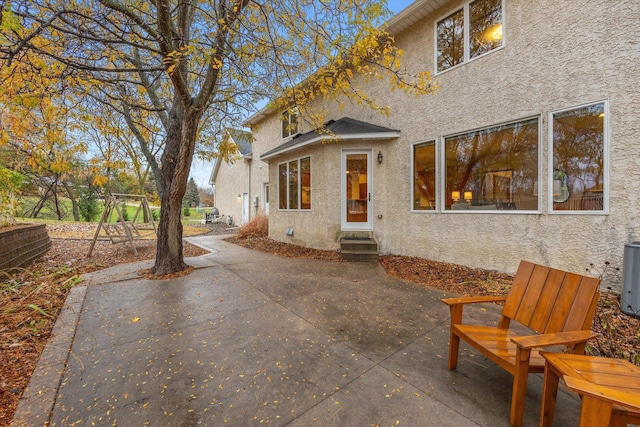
(368, 136)
(344, 129)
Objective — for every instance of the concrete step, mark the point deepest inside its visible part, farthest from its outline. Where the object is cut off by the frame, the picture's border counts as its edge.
(359, 245)
(359, 249)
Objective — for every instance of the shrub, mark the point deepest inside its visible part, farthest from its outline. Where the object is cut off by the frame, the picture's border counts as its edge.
(257, 227)
(125, 212)
(88, 204)
(186, 211)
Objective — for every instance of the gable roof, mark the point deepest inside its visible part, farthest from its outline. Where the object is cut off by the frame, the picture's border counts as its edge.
(341, 129)
(242, 139)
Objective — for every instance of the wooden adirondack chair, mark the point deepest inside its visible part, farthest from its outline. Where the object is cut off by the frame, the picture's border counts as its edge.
(557, 306)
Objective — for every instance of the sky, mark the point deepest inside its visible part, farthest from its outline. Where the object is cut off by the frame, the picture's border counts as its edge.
(201, 170)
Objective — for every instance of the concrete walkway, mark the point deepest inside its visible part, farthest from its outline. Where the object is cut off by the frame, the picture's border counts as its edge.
(251, 339)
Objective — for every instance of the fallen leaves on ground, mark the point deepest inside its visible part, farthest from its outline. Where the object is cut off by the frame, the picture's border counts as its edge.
(31, 300)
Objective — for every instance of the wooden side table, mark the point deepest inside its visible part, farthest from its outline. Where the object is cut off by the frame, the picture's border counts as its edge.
(613, 374)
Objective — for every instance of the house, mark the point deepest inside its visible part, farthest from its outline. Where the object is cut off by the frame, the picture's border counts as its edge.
(240, 184)
(529, 149)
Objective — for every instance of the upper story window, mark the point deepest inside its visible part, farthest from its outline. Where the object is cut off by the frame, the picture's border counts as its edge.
(577, 179)
(468, 33)
(493, 168)
(294, 184)
(289, 120)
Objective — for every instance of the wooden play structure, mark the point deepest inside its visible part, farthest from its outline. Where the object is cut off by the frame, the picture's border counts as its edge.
(140, 226)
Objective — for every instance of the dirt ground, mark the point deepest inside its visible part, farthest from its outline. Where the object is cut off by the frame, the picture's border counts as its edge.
(30, 301)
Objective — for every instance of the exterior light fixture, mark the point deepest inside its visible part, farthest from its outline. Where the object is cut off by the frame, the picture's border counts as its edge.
(379, 156)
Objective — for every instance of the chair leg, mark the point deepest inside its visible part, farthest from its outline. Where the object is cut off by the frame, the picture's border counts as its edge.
(454, 345)
(519, 392)
(549, 395)
(454, 340)
(594, 412)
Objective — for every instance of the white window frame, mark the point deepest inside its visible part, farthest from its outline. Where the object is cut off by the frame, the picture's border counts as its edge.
(605, 162)
(437, 172)
(299, 209)
(289, 113)
(265, 197)
(466, 48)
(443, 167)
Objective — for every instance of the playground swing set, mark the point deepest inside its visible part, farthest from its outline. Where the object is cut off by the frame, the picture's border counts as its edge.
(122, 231)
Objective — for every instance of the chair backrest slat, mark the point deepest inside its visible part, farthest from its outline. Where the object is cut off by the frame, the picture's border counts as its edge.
(549, 300)
(518, 289)
(581, 315)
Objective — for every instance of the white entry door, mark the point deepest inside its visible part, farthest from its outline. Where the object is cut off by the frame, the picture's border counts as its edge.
(357, 186)
(245, 208)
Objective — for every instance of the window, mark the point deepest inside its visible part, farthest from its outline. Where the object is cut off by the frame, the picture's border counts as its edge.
(424, 176)
(294, 184)
(468, 33)
(495, 168)
(289, 121)
(577, 179)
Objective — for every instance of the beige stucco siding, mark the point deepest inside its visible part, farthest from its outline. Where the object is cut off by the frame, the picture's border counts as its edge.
(557, 55)
(231, 182)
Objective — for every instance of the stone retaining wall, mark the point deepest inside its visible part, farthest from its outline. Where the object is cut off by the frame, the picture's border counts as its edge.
(21, 244)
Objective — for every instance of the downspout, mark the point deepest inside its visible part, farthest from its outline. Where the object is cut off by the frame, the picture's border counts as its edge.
(250, 202)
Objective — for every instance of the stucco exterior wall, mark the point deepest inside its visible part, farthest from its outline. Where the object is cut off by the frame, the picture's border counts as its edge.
(231, 181)
(557, 55)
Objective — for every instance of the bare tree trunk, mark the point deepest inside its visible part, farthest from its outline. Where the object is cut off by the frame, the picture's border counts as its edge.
(56, 201)
(74, 202)
(176, 163)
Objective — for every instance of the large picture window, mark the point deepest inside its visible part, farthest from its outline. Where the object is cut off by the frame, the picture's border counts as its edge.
(495, 168)
(577, 180)
(424, 176)
(294, 184)
(468, 33)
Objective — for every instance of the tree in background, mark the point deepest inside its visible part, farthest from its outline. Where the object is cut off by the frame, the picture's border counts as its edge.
(192, 196)
(88, 204)
(198, 65)
(9, 184)
(206, 195)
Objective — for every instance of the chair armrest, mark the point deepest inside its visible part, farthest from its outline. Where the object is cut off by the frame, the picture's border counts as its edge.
(473, 300)
(558, 338)
(608, 394)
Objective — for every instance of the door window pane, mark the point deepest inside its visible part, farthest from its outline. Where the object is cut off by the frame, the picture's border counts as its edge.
(493, 169)
(424, 176)
(578, 159)
(357, 188)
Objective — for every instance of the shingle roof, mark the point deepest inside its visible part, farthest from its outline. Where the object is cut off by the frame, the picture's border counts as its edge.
(242, 139)
(341, 129)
